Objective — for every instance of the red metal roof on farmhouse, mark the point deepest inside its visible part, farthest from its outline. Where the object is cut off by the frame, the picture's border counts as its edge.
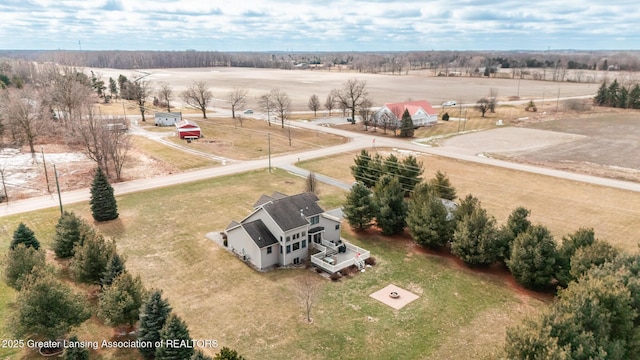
(412, 106)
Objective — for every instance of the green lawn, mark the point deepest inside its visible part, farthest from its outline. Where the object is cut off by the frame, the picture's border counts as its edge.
(460, 313)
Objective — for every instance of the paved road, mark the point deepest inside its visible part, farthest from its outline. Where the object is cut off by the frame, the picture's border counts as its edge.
(358, 140)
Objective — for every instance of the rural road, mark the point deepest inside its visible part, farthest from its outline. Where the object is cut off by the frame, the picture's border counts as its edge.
(357, 141)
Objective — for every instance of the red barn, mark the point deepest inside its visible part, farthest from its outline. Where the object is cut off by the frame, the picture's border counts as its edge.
(188, 130)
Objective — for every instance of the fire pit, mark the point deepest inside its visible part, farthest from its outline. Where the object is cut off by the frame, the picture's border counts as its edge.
(394, 295)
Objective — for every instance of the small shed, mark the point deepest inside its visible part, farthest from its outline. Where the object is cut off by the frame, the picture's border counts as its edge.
(188, 130)
(167, 118)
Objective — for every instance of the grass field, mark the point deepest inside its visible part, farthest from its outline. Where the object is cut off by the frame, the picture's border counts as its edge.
(180, 160)
(561, 205)
(161, 232)
(248, 140)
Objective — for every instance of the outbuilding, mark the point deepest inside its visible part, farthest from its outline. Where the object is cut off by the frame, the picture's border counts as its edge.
(167, 118)
(390, 114)
(188, 130)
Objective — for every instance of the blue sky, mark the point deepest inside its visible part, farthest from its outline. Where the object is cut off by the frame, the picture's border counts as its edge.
(330, 25)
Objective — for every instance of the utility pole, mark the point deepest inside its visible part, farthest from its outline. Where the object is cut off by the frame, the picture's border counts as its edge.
(58, 186)
(558, 100)
(46, 174)
(269, 140)
(289, 132)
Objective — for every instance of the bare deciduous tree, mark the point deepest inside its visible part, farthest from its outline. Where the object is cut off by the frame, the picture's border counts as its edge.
(92, 134)
(353, 94)
(306, 291)
(141, 89)
(67, 89)
(165, 93)
(493, 95)
(483, 105)
(117, 145)
(281, 103)
(26, 115)
(314, 104)
(312, 183)
(238, 99)
(330, 103)
(198, 96)
(266, 104)
(365, 113)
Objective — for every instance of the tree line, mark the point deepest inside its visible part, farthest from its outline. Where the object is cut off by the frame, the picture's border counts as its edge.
(618, 96)
(597, 311)
(48, 308)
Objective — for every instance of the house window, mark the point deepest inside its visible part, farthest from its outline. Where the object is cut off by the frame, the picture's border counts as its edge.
(296, 261)
(338, 227)
(315, 219)
(288, 249)
(288, 238)
(296, 246)
(304, 244)
(304, 233)
(280, 250)
(269, 250)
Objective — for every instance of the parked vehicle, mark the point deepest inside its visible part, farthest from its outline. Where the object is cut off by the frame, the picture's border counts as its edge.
(248, 111)
(449, 103)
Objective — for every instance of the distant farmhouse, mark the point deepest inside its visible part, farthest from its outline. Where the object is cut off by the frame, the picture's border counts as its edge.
(287, 230)
(167, 118)
(390, 114)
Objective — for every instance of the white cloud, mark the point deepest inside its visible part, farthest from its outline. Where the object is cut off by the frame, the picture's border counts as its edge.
(312, 25)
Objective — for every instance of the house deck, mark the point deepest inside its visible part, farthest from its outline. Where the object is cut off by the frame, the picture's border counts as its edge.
(332, 260)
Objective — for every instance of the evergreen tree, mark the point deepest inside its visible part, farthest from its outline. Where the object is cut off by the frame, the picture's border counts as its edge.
(427, 219)
(410, 172)
(114, 268)
(361, 170)
(406, 128)
(153, 316)
(47, 308)
(360, 208)
(175, 330)
(581, 238)
(442, 186)
(474, 240)
(613, 94)
(70, 231)
(76, 353)
(90, 260)
(533, 260)
(20, 262)
(466, 207)
(602, 96)
(392, 210)
(591, 256)
(120, 303)
(24, 235)
(391, 166)
(634, 97)
(228, 354)
(517, 223)
(103, 202)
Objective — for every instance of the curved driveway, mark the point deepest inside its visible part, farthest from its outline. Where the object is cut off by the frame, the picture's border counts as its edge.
(357, 141)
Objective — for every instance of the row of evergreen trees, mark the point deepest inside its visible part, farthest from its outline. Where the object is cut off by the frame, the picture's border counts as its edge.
(618, 96)
(48, 308)
(427, 211)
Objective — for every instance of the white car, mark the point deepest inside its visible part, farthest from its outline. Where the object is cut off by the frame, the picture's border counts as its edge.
(449, 103)
(248, 111)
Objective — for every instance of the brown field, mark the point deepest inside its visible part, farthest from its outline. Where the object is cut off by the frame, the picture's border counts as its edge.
(301, 84)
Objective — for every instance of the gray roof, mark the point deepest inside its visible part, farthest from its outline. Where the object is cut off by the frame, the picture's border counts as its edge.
(232, 224)
(292, 211)
(259, 233)
(266, 198)
(168, 114)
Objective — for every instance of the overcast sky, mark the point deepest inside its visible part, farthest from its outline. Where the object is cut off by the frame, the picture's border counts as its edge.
(319, 25)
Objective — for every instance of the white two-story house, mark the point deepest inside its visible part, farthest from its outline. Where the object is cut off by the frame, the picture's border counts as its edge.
(288, 230)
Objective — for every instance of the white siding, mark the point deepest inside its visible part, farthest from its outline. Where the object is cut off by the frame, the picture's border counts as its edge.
(241, 243)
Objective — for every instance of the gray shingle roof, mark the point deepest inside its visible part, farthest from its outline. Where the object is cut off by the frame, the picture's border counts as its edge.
(259, 233)
(286, 212)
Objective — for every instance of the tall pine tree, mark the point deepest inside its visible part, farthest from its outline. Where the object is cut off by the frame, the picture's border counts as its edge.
(175, 330)
(392, 209)
(76, 353)
(115, 267)
(427, 219)
(24, 235)
(360, 208)
(103, 202)
(71, 230)
(406, 128)
(155, 312)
